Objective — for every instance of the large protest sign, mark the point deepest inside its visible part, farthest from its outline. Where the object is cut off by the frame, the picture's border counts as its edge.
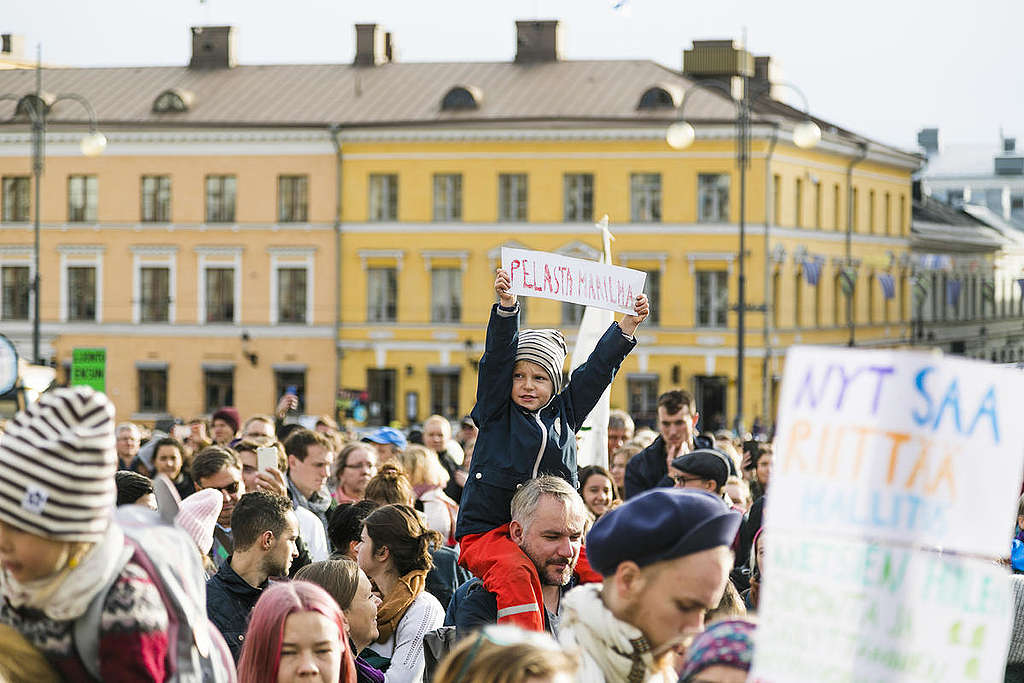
(844, 610)
(881, 458)
(578, 281)
(900, 446)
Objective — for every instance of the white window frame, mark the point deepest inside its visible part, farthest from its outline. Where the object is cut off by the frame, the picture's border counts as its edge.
(721, 212)
(291, 257)
(218, 257)
(16, 255)
(154, 256)
(72, 255)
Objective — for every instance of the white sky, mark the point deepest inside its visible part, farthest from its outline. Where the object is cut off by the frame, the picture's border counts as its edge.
(882, 68)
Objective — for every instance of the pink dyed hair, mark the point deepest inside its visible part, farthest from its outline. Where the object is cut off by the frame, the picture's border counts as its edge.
(261, 652)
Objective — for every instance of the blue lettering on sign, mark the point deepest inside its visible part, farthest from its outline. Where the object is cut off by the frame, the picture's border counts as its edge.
(948, 409)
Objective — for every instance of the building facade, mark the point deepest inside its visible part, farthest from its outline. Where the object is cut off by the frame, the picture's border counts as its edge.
(336, 227)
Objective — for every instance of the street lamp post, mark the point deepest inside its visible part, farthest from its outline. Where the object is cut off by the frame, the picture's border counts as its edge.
(681, 134)
(37, 106)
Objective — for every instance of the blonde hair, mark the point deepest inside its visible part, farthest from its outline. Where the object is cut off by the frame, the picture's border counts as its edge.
(19, 661)
(422, 466)
(527, 656)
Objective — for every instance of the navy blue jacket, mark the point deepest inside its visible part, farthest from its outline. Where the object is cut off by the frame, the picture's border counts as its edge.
(514, 444)
(229, 601)
(648, 469)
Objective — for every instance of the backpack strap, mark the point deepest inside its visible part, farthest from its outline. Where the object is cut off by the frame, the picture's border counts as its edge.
(86, 630)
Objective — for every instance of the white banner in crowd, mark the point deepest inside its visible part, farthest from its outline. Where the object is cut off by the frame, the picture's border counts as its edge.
(562, 278)
(902, 446)
(880, 458)
(842, 610)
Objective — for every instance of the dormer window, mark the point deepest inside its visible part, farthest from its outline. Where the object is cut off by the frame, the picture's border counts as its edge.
(461, 98)
(173, 101)
(661, 97)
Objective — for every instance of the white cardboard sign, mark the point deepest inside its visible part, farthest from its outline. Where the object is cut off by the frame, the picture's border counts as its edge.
(900, 446)
(562, 278)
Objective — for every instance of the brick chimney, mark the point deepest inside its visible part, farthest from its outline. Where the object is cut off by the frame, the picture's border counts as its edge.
(538, 41)
(213, 47)
(373, 46)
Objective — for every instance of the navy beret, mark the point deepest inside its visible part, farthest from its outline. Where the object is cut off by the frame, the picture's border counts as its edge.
(660, 524)
(705, 463)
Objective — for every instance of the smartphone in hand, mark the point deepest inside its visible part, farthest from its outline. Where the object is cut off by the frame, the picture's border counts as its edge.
(266, 457)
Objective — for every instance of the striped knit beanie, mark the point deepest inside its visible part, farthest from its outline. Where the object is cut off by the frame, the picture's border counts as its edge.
(546, 348)
(57, 464)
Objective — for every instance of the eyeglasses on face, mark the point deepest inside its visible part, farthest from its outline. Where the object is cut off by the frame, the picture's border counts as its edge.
(230, 489)
(683, 481)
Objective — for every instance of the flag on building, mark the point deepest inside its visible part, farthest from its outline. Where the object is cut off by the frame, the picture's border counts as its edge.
(812, 270)
(920, 288)
(848, 280)
(888, 285)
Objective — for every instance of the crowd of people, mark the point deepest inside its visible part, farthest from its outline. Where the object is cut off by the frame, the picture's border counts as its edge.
(470, 553)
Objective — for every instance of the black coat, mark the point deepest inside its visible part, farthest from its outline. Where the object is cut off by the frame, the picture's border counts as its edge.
(229, 601)
(648, 469)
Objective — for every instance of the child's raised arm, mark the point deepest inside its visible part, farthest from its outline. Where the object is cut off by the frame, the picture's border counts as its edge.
(494, 378)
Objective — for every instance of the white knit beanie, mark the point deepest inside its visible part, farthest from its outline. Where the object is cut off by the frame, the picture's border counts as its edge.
(546, 348)
(197, 515)
(57, 465)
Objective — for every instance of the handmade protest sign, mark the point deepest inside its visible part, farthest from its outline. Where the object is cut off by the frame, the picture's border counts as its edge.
(841, 610)
(881, 459)
(578, 281)
(901, 446)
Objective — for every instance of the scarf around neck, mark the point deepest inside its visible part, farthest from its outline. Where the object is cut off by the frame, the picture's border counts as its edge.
(620, 650)
(66, 594)
(397, 602)
(316, 503)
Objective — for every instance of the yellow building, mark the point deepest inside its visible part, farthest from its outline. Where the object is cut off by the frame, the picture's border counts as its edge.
(336, 227)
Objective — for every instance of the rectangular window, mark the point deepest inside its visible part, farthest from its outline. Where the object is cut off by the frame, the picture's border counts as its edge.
(292, 199)
(382, 295)
(579, 197)
(653, 290)
(887, 218)
(81, 293)
(446, 295)
(286, 380)
(572, 314)
(712, 298)
(645, 197)
(155, 294)
(447, 196)
(871, 211)
(713, 197)
(16, 203)
(219, 389)
(837, 215)
(643, 399)
(381, 384)
(83, 196)
(153, 390)
(383, 197)
(512, 197)
(444, 394)
(776, 198)
(291, 295)
(798, 197)
(16, 286)
(220, 295)
(817, 205)
(156, 199)
(220, 199)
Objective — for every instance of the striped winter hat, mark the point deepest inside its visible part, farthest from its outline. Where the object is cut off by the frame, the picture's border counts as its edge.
(546, 348)
(57, 465)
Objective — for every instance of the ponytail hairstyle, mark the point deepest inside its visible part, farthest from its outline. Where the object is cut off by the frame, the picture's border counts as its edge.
(390, 486)
(261, 653)
(399, 529)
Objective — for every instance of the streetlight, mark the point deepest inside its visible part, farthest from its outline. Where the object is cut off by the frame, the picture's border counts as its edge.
(37, 106)
(681, 134)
